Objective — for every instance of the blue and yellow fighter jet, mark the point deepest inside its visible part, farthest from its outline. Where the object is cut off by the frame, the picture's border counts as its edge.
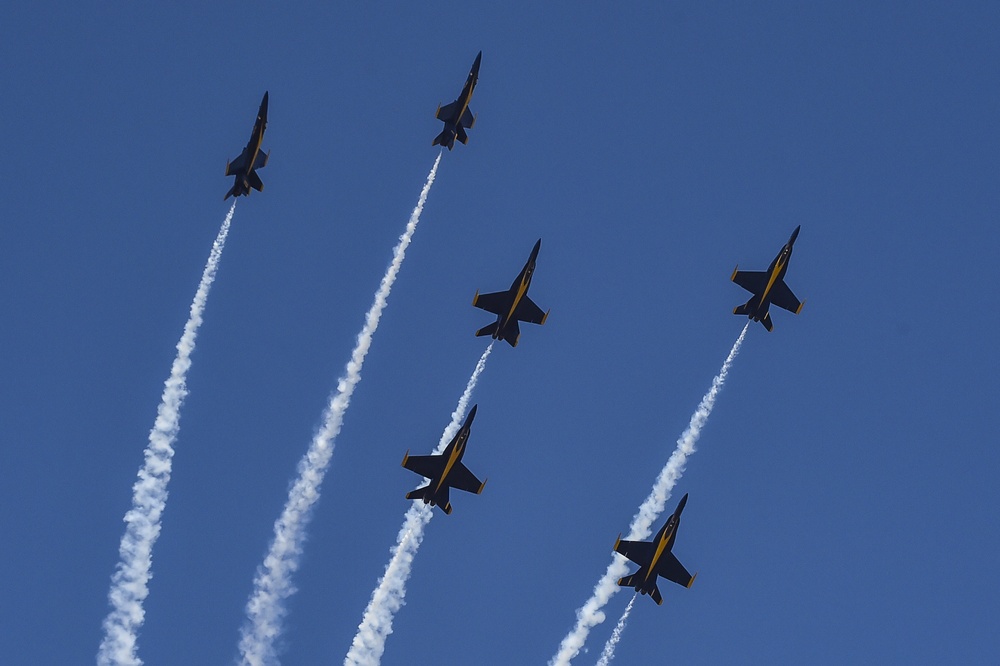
(445, 470)
(245, 166)
(655, 559)
(768, 287)
(457, 116)
(512, 306)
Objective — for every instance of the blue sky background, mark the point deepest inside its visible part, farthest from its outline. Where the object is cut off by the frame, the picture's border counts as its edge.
(843, 500)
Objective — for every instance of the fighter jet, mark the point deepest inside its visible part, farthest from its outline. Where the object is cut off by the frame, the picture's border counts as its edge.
(768, 287)
(512, 306)
(655, 559)
(457, 116)
(245, 166)
(445, 470)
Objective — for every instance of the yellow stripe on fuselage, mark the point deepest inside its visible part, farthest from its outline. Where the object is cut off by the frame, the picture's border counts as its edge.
(773, 278)
(452, 459)
(517, 299)
(659, 551)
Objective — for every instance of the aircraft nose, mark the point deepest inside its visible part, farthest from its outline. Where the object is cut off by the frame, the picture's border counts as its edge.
(795, 234)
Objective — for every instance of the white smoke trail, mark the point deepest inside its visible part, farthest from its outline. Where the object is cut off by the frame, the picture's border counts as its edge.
(389, 595)
(129, 584)
(272, 584)
(590, 614)
(609, 648)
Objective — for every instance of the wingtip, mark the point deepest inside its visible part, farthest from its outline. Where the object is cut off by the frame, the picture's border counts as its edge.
(475, 299)
(481, 486)
(545, 317)
(405, 458)
(732, 278)
(617, 542)
(691, 582)
(799, 309)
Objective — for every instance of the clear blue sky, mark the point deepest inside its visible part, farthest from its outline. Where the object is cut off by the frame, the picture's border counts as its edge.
(843, 500)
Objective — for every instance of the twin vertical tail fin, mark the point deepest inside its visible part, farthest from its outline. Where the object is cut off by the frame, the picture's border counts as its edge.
(445, 138)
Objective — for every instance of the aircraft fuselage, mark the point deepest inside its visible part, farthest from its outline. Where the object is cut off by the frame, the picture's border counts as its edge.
(761, 304)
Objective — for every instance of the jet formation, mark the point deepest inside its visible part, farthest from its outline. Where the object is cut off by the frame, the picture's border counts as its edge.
(245, 166)
(513, 305)
(457, 116)
(768, 287)
(655, 558)
(445, 470)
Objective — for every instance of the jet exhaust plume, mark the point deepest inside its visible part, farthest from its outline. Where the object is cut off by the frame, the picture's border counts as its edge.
(590, 614)
(608, 653)
(390, 593)
(265, 608)
(130, 582)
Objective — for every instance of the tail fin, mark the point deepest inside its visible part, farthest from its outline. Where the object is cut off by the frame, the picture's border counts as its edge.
(445, 138)
(742, 309)
(487, 330)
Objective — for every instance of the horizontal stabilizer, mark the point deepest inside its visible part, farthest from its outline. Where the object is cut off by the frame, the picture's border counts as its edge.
(629, 581)
(487, 330)
(461, 135)
(255, 182)
(512, 333)
(416, 494)
(742, 309)
(766, 320)
(655, 594)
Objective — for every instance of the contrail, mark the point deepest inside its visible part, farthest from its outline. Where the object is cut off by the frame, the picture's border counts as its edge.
(590, 614)
(389, 595)
(272, 584)
(129, 584)
(609, 648)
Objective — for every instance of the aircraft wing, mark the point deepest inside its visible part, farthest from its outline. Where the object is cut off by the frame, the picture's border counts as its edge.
(447, 111)
(427, 466)
(671, 569)
(498, 302)
(753, 281)
(237, 165)
(529, 312)
(461, 478)
(783, 297)
(261, 160)
(640, 552)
